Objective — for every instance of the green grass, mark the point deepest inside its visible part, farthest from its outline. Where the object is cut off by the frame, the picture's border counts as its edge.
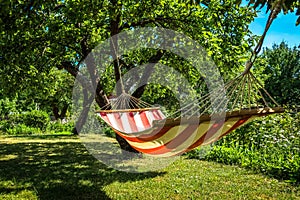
(59, 167)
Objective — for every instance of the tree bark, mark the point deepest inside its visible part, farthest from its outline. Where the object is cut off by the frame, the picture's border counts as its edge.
(87, 101)
(147, 73)
(62, 114)
(64, 111)
(55, 112)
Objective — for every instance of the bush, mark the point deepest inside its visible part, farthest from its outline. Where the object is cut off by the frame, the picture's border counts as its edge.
(108, 131)
(270, 145)
(7, 107)
(35, 118)
(4, 125)
(30, 122)
(25, 123)
(22, 129)
(58, 126)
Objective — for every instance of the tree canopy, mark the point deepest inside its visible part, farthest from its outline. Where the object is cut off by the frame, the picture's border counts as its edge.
(281, 68)
(43, 44)
(38, 36)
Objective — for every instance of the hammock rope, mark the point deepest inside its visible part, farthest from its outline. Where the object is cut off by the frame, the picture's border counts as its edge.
(244, 90)
(273, 15)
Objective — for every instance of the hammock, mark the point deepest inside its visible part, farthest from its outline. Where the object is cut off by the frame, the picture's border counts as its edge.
(149, 131)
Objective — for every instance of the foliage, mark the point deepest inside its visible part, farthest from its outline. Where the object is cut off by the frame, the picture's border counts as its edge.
(25, 123)
(276, 164)
(58, 33)
(5, 125)
(35, 118)
(58, 126)
(285, 6)
(22, 129)
(33, 122)
(47, 92)
(107, 130)
(270, 145)
(281, 71)
(60, 167)
(53, 91)
(9, 127)
(7, 107)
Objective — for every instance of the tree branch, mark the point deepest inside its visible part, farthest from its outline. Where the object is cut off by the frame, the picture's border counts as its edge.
(148, 21)
(147, 73)
(67, 65)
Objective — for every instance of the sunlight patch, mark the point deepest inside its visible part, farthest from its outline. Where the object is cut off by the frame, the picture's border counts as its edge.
(8, 157)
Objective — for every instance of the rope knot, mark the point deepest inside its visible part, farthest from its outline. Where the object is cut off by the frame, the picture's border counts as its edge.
(248, 67)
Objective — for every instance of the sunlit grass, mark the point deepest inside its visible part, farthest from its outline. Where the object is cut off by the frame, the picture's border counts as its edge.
(61, 168)
(193, 179)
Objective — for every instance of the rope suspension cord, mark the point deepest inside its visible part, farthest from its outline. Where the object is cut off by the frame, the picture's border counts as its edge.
(124, 101)
(274, 12)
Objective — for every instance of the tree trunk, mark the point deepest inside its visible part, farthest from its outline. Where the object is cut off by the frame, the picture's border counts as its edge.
(147, 73)
(55, 111)
(64, 111)
(87, 101)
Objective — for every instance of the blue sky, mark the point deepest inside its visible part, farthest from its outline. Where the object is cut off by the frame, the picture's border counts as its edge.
(283, 28)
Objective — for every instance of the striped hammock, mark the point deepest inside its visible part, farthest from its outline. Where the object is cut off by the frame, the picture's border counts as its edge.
(149, 131)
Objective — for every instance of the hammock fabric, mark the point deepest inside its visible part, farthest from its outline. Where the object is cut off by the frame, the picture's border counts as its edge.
(131, 121)
(149, 132)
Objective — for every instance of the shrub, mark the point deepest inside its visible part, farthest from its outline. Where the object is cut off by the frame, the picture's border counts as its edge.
(29, 122)
(108, 131)
(35, 118)
(58, 126)
(4, 125)
(22, 129)
(270, 145)
(7, 107)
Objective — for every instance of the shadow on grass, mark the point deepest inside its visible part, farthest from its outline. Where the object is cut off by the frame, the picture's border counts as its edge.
(46, 136)
(57, 170)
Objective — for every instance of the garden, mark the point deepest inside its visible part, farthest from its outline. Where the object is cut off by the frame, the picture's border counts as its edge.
(54, 76)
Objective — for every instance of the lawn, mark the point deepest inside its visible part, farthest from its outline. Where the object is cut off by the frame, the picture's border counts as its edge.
(59, 167)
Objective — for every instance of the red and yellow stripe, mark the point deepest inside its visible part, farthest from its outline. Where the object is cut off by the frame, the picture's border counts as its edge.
(173, 137)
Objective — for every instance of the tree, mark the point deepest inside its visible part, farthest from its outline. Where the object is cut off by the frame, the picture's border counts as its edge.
(61, 34)
(52, 92)
(281, 66)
